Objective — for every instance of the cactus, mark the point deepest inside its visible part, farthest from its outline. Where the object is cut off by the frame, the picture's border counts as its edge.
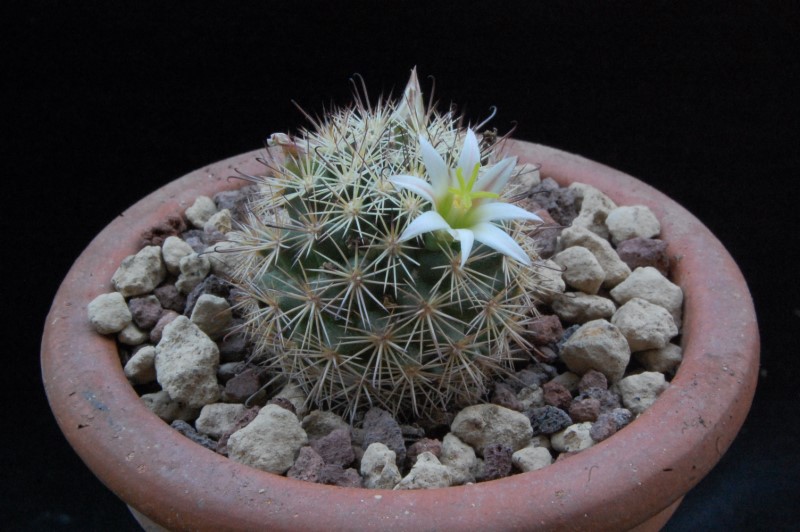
(345, 292)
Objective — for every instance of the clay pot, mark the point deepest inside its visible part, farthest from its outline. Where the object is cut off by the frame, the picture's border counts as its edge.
(636, 478)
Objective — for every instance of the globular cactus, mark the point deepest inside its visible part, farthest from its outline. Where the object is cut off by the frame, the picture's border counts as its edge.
(347, 291)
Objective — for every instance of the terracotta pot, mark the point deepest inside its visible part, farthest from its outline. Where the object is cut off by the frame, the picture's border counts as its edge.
(635, 478)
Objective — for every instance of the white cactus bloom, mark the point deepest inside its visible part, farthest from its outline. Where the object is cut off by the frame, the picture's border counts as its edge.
(465, 200)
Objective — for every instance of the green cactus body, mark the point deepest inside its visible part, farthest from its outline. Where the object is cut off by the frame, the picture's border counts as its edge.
(336, 302)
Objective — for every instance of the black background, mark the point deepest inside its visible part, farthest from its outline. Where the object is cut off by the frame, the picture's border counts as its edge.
(103, 104)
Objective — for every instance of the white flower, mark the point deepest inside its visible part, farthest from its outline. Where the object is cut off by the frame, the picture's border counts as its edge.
(465, 200)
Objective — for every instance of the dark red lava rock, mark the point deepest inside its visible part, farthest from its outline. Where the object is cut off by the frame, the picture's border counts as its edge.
(283, 403)
(556, 394)
(545, 330)
(638, 252)
(170, 298)
(603, 428)
(242, 386)
(496, 461)
(336, 475)
(155, 236)
(145, 311)
(380, 426)
(307, 465)
(592, 379)
(584, 409)
(166, 318)
(504, 396)
(335, 448)
(424, 445)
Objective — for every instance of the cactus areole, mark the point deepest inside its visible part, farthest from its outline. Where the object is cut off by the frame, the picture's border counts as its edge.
(383, 262)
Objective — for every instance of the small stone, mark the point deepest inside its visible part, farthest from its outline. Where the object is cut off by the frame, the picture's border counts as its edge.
(568, 380)
(336, 475)
(581, 269)
(609, 398)
(584, 409)
(319, 423)
(639, 252)
(531, 458)
(294, 393)
(235, 346)
(460, 459)
(157, 331)
(487, 424)
(141, 369)
(172, 251)
(664, 360)
(186, 364)
(644, 325)
(573, 438)
(241, 422)
(189, 431)
(648, 284)
(218, 418)
(527, 175)
(559, 202)
(201, 210)
(640, 391)
(550, 282)
(307, 466)
(169, 298)
(213, 315)
(270, 442)
(594, 207)
(615, 270)
(162, 405)
(530, 397)
(335, 448)
(132, 335)
(194, 269)
(622, 417)
(280, 401)
(427, 473)
(577, 307)
(220, 222)
(197, 239)
(546, 233)
(108, 313)
(504, 396)
(234, 200)
(139, 274)
(156, 236)
(210, 285)
(378, 467)
(543, 330)
(223, 261)
(632, 221)
(548, 420)
(597, 345)
(496, 461)
(425, 445)
(592, 379)
(603, 428)
(145, 311)
(380, 426)
(557, 395)
(242, 387)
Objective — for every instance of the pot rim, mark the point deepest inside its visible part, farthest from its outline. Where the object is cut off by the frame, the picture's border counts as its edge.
(617, 483)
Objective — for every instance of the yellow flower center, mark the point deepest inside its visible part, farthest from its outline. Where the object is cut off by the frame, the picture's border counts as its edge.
(457, 204)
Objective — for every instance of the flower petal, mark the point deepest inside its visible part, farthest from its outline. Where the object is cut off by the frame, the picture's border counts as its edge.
(470, 154)
(499, 210)
(467, 238)
(436, 167)
(414, 184)
(424, 223)
(497, 239)
(496, 177)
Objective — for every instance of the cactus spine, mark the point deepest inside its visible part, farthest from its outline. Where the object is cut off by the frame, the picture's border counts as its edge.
(335, 301)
